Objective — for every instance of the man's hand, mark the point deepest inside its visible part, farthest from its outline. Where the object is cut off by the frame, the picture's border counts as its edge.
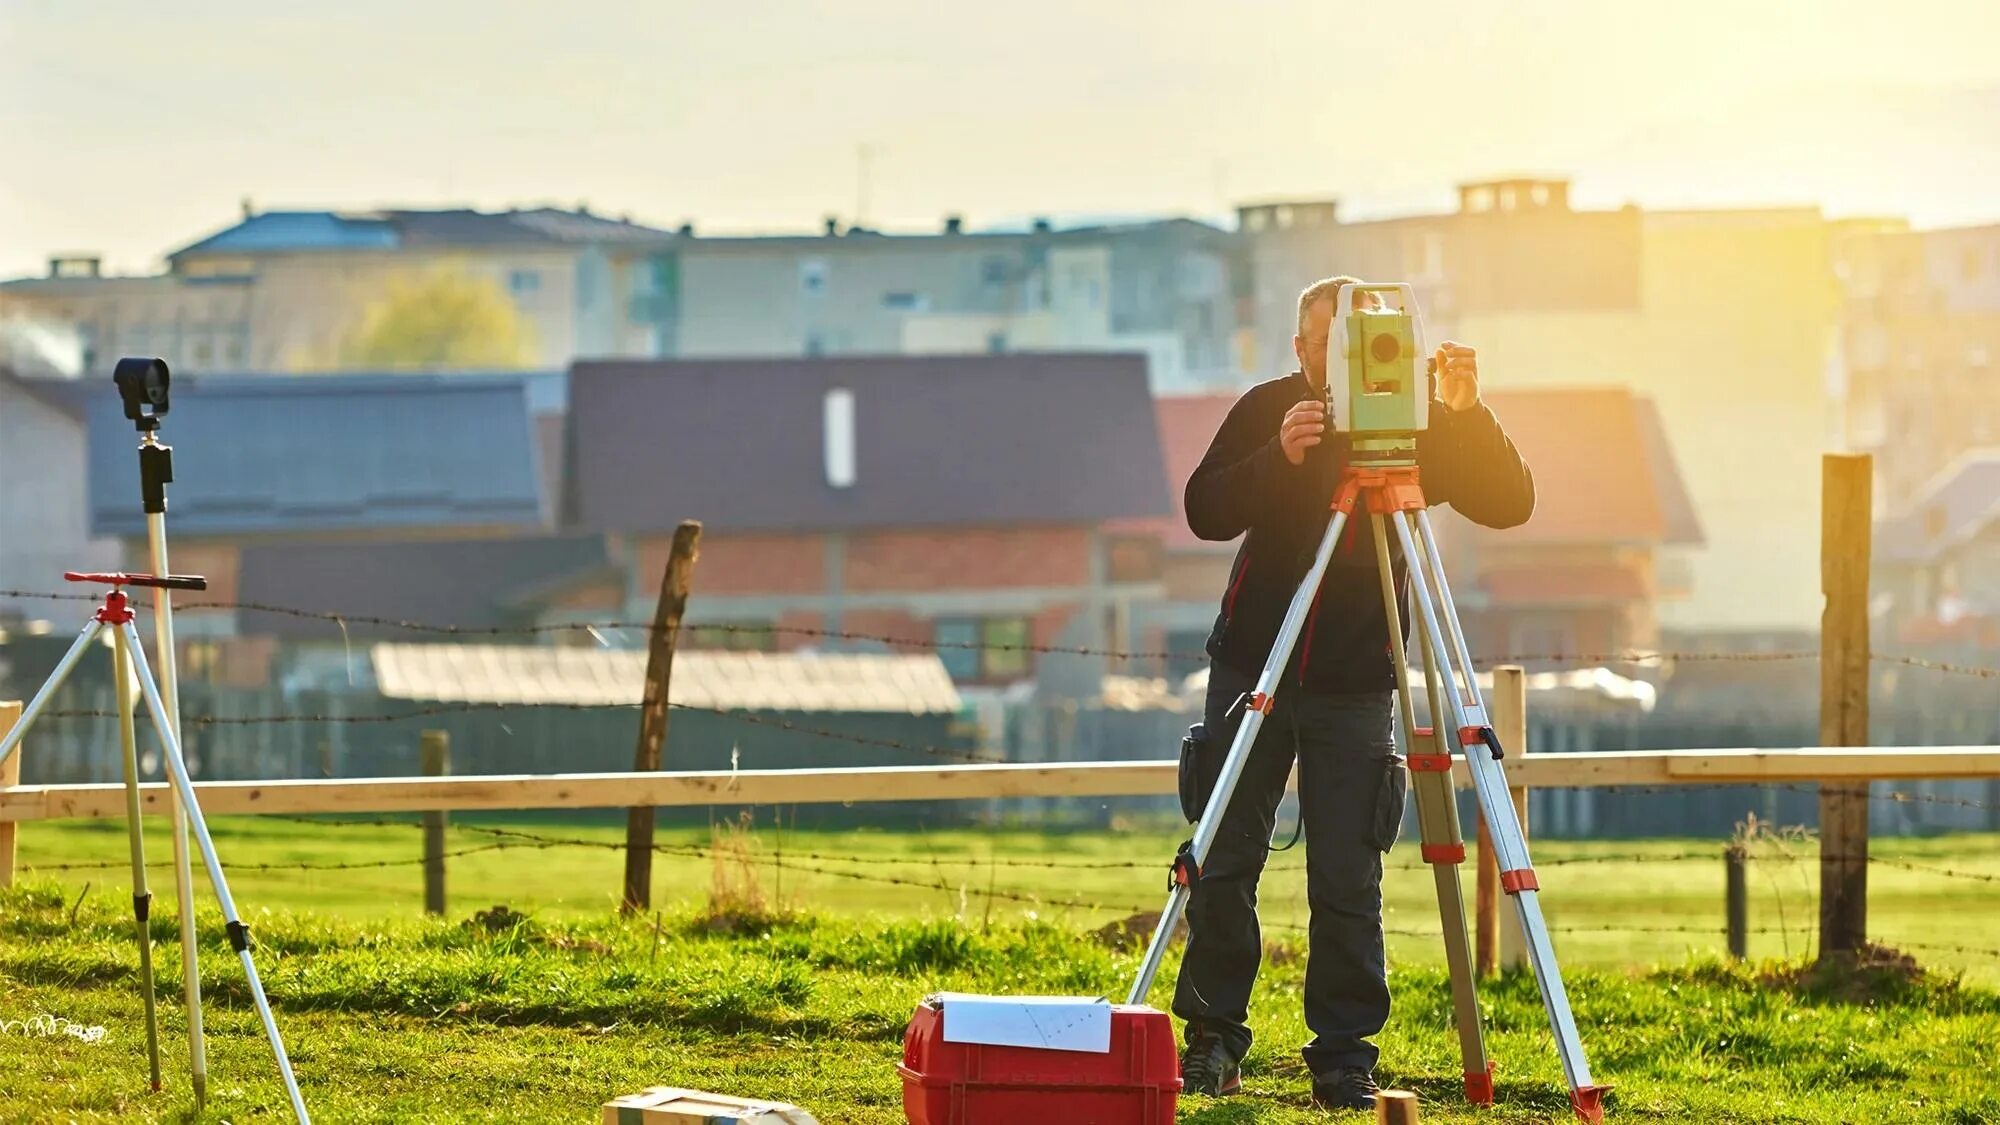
(1458, 376)
(1301, 429)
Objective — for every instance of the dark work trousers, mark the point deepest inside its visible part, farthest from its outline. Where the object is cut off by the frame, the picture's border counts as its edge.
(1352, 787)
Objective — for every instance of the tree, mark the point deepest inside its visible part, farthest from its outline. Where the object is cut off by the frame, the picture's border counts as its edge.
(444, 318)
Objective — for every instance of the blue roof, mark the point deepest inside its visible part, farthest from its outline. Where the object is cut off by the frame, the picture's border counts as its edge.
(318, 454)
(298, 230)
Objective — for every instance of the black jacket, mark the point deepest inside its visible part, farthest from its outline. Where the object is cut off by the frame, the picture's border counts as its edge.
(1245, 484)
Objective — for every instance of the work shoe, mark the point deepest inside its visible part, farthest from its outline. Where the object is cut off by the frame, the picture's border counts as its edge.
(1345, 1088)
(1207, 1066)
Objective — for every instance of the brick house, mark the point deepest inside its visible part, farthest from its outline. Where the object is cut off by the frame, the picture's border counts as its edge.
(1586, 574)
(962, 501)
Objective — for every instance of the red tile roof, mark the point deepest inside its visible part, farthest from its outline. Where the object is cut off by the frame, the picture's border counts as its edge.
(1603, 469)
(1187, 424)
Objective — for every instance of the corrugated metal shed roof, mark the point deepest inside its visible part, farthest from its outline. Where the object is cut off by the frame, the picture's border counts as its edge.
(327, 453)
(735, 681)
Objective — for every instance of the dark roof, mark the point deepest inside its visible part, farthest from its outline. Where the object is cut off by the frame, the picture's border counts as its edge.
(467, 583)
(1955, 505)
(328, 230)
(305, 454)
(940, 441)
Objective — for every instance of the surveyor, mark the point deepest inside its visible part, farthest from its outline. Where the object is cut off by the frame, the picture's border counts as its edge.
(1269, 476)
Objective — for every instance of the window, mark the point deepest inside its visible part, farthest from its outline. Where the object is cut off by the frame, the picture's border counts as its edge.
(521, 283)
(913, 302)
(731, 636)
(993, 270)
(815, 345)
(996, 342)
(984, 649)
(812, 275)
(838, 415)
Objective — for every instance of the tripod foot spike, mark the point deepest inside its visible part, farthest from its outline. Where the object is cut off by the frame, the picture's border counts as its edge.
(1588, 1101)
(200, 1090)
(1479, 1085)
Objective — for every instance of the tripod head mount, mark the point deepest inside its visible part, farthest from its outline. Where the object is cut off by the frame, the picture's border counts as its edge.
(143, 384)
(119, 579)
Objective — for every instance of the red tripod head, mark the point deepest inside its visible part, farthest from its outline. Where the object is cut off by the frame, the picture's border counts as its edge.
(160, 581)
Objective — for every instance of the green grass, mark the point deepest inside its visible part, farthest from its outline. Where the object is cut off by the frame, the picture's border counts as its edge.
(391, 1016)
(1607, 901)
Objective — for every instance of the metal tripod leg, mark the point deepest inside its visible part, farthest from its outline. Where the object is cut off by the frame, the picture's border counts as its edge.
(61, 672)
(1232, 766)
(142, 896)
(1465, 719)
(1437, 820)
(163, 644)
(239, 934)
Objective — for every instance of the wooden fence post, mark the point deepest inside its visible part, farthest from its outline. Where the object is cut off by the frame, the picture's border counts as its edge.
(435, 748)
(10, 776)
(1496, 940)
(1736, 899)
(1846, 484)
(653, 711)
(1510, 722)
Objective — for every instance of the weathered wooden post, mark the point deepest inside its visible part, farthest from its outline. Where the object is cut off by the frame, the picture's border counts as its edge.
(653, 711)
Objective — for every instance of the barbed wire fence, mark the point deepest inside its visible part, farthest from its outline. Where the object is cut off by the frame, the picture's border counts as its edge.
(893, 871)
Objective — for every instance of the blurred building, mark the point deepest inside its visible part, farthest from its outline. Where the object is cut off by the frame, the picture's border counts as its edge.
(1921, 346)
(1725, 320)
(44, 530)
(283, 290)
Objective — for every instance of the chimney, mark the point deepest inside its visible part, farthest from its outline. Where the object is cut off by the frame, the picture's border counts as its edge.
(249, 209)
(687, 230)
(838, 415)
(954, 224)
(1041, 226)
(76, 265)
(832, 225)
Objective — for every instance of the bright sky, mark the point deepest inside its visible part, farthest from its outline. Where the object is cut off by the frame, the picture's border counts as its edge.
(130, 128)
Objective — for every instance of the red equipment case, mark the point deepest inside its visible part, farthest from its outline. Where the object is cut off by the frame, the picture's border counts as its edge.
(1137, 1082)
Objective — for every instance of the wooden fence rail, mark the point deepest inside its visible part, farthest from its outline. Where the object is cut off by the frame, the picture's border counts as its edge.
(932, 783)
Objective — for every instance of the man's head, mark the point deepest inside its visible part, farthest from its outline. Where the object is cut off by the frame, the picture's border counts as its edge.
(1316, 304)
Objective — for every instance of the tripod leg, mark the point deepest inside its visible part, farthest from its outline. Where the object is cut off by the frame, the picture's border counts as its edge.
(163, 644)
(1437, 818)
(49, 687)
(142, 896)
(1467, 721)
(1232, 766)
(239, 934)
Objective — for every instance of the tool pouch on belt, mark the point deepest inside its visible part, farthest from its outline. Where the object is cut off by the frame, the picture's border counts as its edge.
(1193, 787)
(1390, 795)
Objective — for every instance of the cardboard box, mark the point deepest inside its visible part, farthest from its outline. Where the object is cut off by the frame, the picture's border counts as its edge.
(669, 1105)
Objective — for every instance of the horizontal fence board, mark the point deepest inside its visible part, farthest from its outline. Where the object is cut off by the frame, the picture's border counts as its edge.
(974, 782)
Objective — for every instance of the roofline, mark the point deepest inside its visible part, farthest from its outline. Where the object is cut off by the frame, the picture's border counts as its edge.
(1938, 480)
(72, 411)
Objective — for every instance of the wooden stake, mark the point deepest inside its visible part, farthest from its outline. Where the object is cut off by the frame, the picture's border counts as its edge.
(435, 748)
(1847, 483)
(1398, 1107)
(10, 776)
(653, 712)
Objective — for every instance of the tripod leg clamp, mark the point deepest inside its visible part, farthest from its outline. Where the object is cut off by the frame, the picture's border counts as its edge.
(142, 906)
(239, 936)
(1185, 870)
(1518, 880)
(1481, 736)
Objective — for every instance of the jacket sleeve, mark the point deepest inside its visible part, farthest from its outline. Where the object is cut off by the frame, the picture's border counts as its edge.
(1243, 476)
(1468, 461)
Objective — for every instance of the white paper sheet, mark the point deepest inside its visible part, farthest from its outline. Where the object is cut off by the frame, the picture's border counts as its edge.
(1056, 1023)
